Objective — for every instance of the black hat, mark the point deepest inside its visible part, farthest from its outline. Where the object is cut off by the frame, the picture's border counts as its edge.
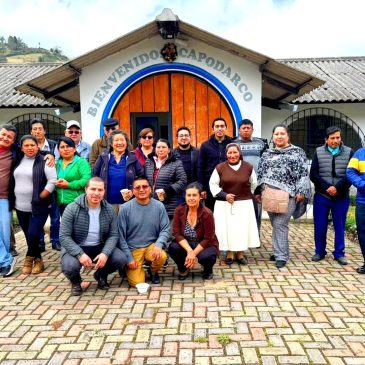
(110, 122)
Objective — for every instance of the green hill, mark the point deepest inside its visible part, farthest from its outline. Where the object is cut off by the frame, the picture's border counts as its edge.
(14, 50)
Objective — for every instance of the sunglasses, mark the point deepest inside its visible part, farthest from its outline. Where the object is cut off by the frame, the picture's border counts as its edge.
(146, 137)
(141, 187)
(74, 132)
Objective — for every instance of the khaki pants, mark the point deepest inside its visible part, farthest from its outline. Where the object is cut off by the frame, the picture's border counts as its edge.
(141, 255)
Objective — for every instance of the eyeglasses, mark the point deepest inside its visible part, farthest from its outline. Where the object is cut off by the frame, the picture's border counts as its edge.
(183, 135)
(110, 128)
(141, 187)
(146, 137)
(74, 132)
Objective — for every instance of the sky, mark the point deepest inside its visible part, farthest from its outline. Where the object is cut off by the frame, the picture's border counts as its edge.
(276, 28)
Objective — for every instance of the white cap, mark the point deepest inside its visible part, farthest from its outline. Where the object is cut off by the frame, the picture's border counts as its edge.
(73, 123)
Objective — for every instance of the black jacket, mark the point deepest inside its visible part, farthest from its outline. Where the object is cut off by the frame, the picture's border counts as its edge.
(194, 157)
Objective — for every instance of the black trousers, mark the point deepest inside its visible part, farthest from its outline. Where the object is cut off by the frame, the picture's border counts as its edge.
(206, 258)
(71, 265)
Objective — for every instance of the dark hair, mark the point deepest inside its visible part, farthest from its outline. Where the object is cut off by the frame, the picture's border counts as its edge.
(281, 126)
(96, 179)
(332, 129)
(229, 145)
(10, 128)
(195, 185)
(216, 119)
(183, 129)
(113, 134)
(67, 140)
(28, 136)
(37, 120)
(245, 122)
(145, 131)
(141, 177)
(164, 141)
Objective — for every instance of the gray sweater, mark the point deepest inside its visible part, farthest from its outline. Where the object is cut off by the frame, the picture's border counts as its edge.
(75, 227)
(140, 225)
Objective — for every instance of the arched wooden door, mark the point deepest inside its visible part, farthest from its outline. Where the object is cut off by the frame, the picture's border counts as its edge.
(180, 98)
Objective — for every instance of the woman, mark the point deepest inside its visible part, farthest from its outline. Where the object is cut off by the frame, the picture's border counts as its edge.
(118, 167)
(166, 174)
(34, 182)
(283, 167)
(73, 172)
(194, 232)
(232, 184)
(145, 146)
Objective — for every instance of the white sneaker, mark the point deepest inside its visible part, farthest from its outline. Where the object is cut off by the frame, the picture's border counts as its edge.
(10, 269)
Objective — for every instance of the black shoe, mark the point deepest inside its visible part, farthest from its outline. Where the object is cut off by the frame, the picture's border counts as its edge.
(102, 283)
(183, 277)
(56, 246)
(76, 290)
(155, 278)
(280, 263)
(272, 258)
(341, 260)
(42, 247)
(242, 261)
(207, 275)
(229, 261)
(361, 270)
(317, 257)
(13, 252)
(8, 270)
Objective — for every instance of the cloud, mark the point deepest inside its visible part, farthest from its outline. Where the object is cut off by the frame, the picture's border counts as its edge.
(277, 28)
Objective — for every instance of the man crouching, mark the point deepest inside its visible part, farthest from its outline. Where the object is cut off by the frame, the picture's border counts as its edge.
(88, 237)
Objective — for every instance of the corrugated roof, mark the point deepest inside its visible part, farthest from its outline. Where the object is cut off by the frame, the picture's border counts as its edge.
(344, 79)
(12, 75)
(280, 81)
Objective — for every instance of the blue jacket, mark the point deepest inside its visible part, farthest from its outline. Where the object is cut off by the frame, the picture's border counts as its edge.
(355, 173)
(133, 168)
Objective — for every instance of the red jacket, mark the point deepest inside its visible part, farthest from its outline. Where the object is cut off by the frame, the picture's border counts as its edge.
(205, 228)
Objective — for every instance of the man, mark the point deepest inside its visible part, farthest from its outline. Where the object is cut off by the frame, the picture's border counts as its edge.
(356, 175)
(47, 146)
(328, 174)
(144, 228)
(252, 149)
(212, 152)
(8, 155)
(89, 235)
(189, 156)
(73, 131)
(100, 145)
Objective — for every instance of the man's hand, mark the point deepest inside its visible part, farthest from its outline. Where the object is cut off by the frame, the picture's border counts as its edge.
(132, 265)
(62, 183)
(332, 191)
(50, 160)
(203, 195)
(44, 194)
(156, 252)
(100, 260)
(299, 198)
(85, 260)
(190, 260)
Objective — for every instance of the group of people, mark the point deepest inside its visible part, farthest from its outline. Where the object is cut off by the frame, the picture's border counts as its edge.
(127, 210)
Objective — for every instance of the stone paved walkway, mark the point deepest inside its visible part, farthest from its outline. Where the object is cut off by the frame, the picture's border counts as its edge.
(306, 313)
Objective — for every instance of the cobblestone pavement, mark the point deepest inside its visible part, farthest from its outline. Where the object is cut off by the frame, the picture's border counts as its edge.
(306, 313)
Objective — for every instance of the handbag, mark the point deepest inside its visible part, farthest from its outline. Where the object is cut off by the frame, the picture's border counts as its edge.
(275, 200)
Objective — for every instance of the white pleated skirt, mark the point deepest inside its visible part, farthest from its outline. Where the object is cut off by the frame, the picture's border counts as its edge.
(235, 225)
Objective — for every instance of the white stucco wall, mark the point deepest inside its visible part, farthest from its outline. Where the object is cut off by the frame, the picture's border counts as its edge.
(270, 117)
(99, 81)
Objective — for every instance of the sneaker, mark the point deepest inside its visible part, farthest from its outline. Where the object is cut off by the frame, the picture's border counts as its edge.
(102, 282)
(361, 270)
(56, 246)
(280, 263)
(341, 260)
(13, 252)
(318, 257)
(9, 269)
(155, 278)
(76, 289)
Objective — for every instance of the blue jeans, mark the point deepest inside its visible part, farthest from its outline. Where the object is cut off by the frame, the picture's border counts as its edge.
(321, 208)
(5, 221)
(360, 224)
(32, 226)
(54, 233)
